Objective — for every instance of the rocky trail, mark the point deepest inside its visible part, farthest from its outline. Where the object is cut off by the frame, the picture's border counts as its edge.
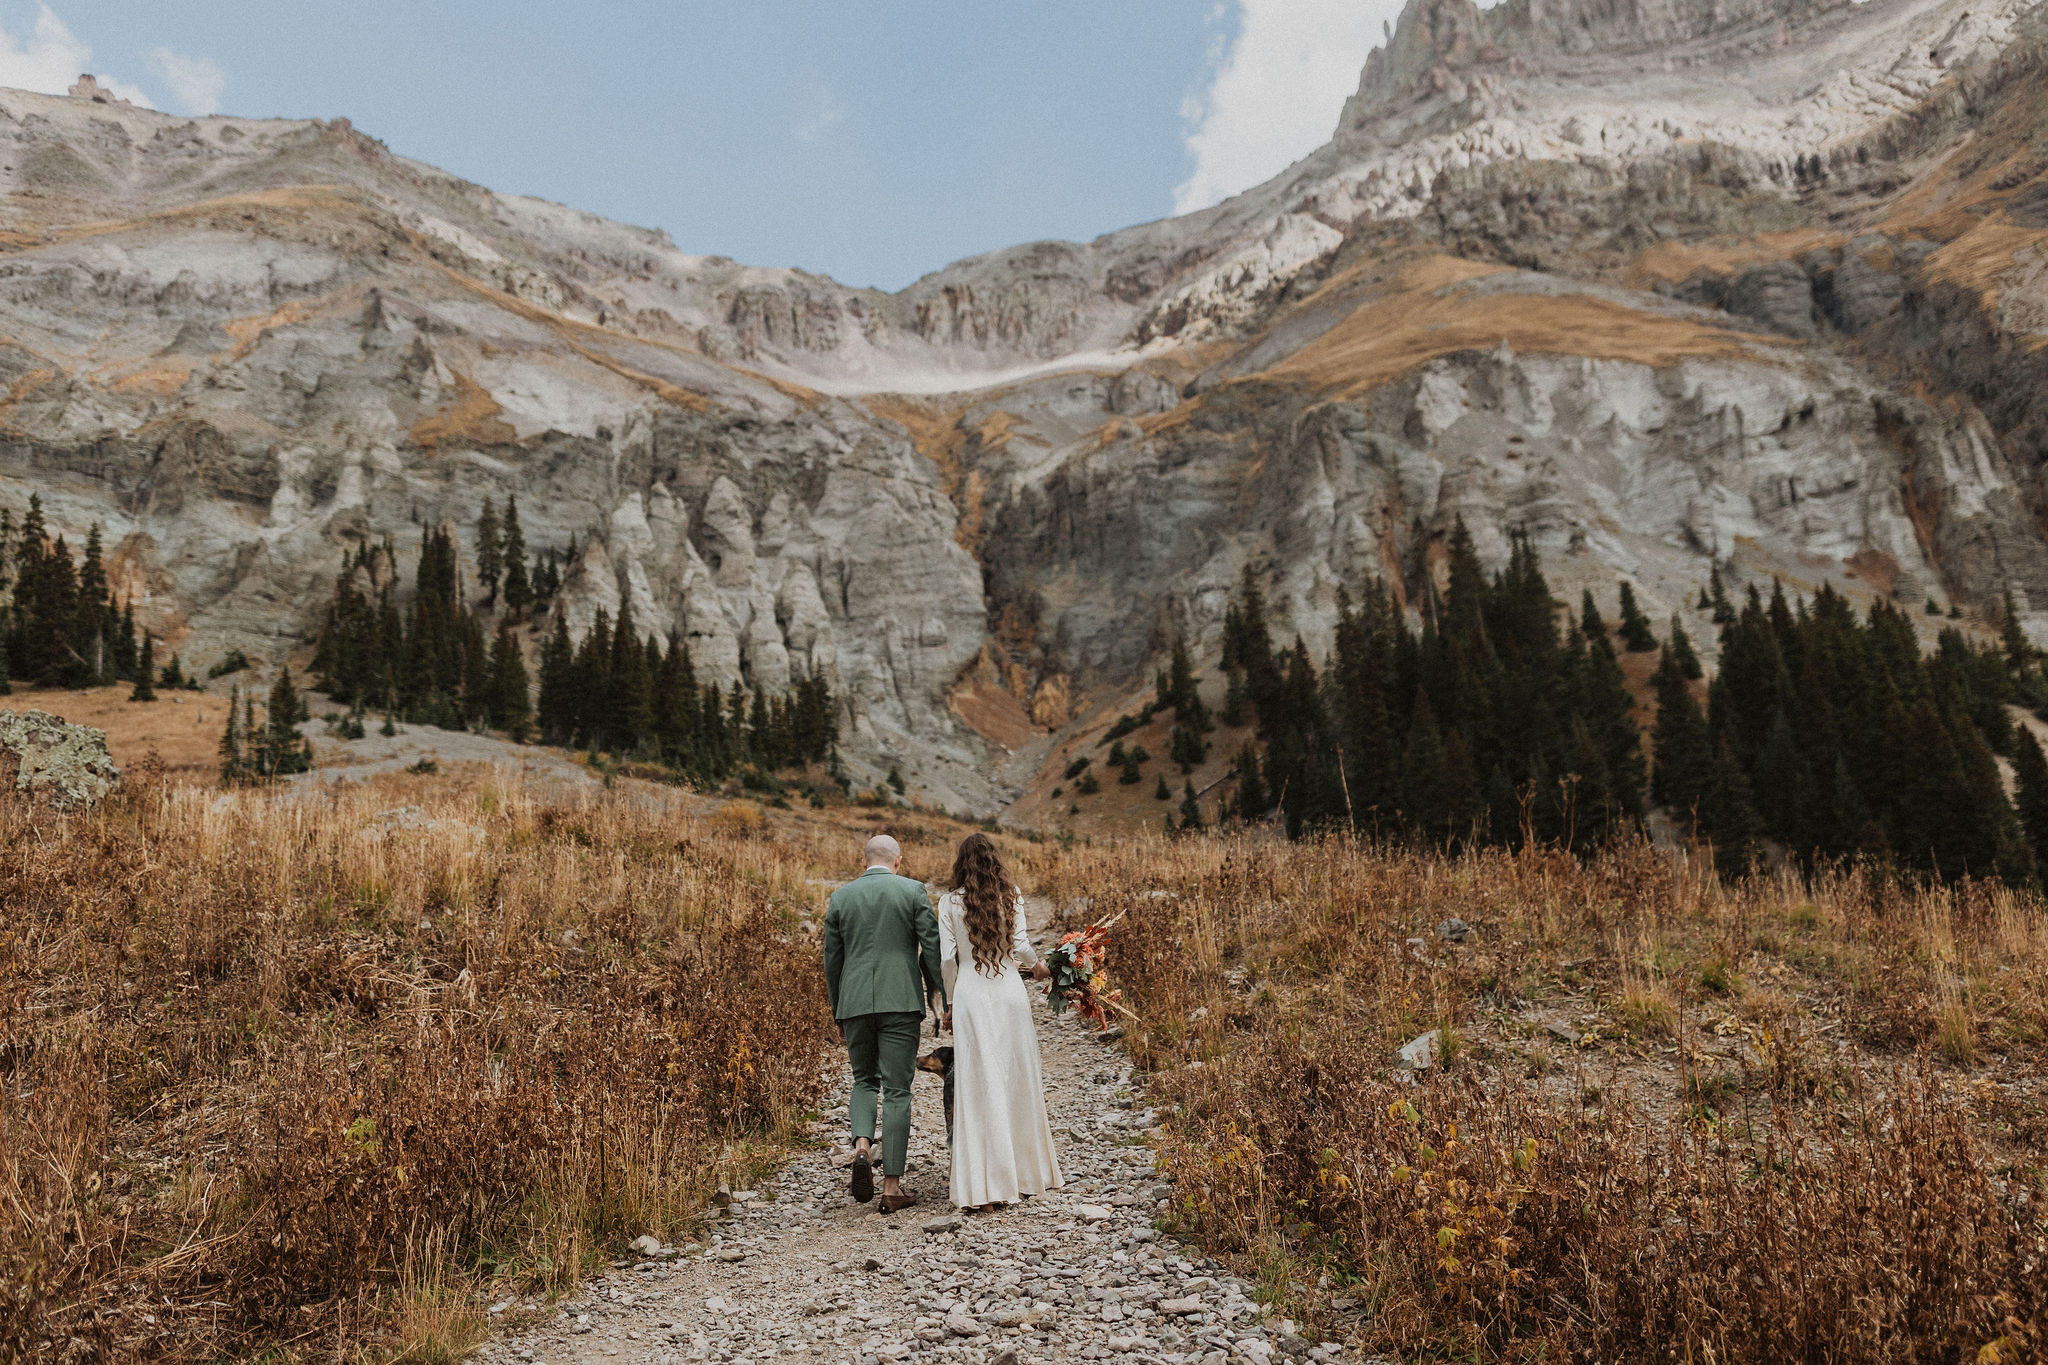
(796, 1270)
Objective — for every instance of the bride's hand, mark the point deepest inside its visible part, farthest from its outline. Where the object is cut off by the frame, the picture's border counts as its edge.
(1041, 972)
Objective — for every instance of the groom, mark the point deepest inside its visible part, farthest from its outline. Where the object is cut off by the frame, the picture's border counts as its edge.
(880, 937)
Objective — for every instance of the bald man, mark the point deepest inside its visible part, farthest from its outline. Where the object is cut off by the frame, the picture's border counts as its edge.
(881, 965)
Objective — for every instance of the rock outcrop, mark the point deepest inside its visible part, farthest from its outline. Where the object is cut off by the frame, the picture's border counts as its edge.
(1668, 287)
(47, 761)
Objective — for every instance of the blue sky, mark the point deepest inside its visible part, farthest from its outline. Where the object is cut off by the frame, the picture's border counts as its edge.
(872, 140)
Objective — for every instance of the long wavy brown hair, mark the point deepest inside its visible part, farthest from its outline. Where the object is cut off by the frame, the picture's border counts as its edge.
(990, 898)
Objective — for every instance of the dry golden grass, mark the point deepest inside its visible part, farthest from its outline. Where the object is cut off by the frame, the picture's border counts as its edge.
(337, 1069)
(471, 417)
(1980, 257)
(181, 728)
(1431, 313)
(1677, 1120)
(349, 1073)
(1674, 262)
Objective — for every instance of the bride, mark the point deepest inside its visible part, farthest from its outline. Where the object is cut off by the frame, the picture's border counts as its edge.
(1002, 1139)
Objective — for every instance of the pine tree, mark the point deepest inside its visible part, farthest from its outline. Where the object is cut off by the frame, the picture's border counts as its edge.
(510, 709)
(1684, 753)
(1782, 789)
(1464, 623)
(1589, 617)
(1180, 693)
(281, 750)
(1991, 837)
(122, 643)
(490, 552)
(1234, 696)
(760, 730)
(1682, 651)
(1607, 709)
(1636, 634)
(2030, 766)
(590, 684)
(1730, 815)
(1717, 599)
(233, 761)
(1426, 798)
(2019, 651)
(557, 708)
(1190, 809)
(675, 709)
(45, 606)
(1162, 792)
(1254, 797)
(518, 586)
(629, 714)
(145, 672)
(91, 610)
(1249, 645)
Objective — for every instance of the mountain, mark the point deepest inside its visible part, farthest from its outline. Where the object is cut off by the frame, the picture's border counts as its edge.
(1665, 284)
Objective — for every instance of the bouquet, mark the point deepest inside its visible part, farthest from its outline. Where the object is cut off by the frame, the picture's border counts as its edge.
(1080, 978)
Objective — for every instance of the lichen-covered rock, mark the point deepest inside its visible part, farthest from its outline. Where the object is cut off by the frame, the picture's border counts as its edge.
(51, 761)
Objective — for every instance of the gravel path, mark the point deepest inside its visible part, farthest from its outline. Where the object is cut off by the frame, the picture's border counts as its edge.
(796, 1271)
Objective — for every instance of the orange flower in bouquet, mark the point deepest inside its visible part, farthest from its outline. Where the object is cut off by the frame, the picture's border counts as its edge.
(1080, 976)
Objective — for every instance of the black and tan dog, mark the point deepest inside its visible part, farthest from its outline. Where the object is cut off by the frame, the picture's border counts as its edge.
(939, 1061)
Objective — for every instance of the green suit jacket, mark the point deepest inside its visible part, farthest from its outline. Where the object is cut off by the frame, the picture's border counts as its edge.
(881, 937)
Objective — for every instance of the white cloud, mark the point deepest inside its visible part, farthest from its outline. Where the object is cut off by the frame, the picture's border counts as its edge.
(195, 82)
(51, 58)
(1275, 90)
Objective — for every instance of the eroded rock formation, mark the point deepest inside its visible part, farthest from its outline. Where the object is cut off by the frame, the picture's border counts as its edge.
(1667, 287)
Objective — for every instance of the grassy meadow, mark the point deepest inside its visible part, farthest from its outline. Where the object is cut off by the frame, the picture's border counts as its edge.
(308, 1072)
(316, 1074)
(1668, 1120)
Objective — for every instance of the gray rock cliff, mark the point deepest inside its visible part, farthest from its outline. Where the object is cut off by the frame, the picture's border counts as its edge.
(1667, 286)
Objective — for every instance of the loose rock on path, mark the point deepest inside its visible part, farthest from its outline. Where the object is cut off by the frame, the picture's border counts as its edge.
(796, 1271)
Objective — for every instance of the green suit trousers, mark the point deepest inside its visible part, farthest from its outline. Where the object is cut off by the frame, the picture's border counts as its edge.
(882, 1049)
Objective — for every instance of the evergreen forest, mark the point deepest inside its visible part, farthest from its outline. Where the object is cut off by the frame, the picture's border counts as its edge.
(432, 657)
(60, 625)
(1825, 734)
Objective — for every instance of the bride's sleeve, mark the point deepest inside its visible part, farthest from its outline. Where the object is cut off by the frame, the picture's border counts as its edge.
(1027, 956)
(949, 947)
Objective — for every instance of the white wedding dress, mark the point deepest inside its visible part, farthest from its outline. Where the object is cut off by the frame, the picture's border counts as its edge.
(1002, 1139)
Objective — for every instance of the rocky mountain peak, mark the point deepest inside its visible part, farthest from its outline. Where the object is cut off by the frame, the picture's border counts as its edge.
(1670, 287)
(1436, 39)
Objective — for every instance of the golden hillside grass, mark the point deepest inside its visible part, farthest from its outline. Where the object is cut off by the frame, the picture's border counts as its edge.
(287, 1072)
(472, 416)
(1432, 312)
(1794, 1124)
(291, 1075)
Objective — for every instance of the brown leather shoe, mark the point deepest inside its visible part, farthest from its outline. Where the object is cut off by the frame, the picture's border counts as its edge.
(892, 1202)
(863, 1185)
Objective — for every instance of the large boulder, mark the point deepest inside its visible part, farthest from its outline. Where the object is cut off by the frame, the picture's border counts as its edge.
(48, 760)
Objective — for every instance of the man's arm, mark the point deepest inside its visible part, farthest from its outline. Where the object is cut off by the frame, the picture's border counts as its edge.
(928, 947)
(835, 954)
